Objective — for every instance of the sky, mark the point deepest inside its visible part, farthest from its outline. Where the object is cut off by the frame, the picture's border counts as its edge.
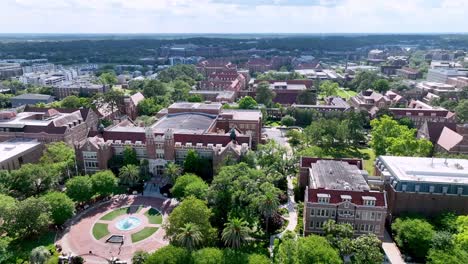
(233, 16)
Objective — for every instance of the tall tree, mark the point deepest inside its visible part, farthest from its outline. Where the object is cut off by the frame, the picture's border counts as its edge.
(268, 205)
(413, 235)
(189, 236)
(264, 95)
(62, 207)
(129, 175)
(129, 156)
(32, 217)
(235, 233)
(247, 102)
(381, 85)
(315, 249)
(79, 188)
(108, 78)
(104, 183)
(329, 88)
(170, 255)
(181, 91)
(462, 111)
(172, 171)
(366, 249)
(194, 211)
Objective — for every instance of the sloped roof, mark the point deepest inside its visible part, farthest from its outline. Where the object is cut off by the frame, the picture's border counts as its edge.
(449, 139)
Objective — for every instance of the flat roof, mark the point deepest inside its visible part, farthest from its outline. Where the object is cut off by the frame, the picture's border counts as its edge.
(435, 170)
(11, 148)
(337, 175)
(240, 114)
(193, 123)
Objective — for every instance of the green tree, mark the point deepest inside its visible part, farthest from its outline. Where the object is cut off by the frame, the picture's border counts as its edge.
(32, 217)
(129, 175)
(306, 97)
(235, 233)
(189, 236)
(442, 240)
(287, 252)
(288, 120)
(32, 179)
(39, 255)
(80, 189)
(140, 257)
(8, 207)
(112, 100)
(258, 259)
(295, 137)
(181, 91)
(366, 250)
(172, 171)
(194, 211)
(169, 255)
(104, 183)
(268, 205)
(208, 256)
(389, 137)
(413, 235)
(62, 207)
(247, 102)
(315, 249)
(129, 156)
(108, 78)
(60, 156)
(364, 80)
(462, 111)
(264, 95)
(454, 255)
(194, 98)
(191, 162)
(153, 88)
(381, 86)
(189, 184)
(148, 107)
(329, 88)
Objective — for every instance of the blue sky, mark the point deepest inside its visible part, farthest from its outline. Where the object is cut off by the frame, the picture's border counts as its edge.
(233, 16)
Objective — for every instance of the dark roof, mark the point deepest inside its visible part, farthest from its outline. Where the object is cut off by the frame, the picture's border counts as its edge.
(84, 111)
(356, 196)
(434, 129)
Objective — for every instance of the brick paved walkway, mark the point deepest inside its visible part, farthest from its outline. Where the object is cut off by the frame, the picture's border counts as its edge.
(79, 240)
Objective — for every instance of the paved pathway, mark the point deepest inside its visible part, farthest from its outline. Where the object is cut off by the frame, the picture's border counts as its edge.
(391, 250)
(79, 240)
(278, 135)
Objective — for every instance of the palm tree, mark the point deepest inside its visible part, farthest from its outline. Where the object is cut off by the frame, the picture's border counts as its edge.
(129, 174)
(39, 255)
(235, 233)
(189, 236)
(172, 171)
(268, 205)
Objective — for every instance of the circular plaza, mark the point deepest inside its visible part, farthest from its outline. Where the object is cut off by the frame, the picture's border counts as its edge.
(116, 229)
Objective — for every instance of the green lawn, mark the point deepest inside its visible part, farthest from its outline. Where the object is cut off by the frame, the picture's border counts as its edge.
(346, 94)
(143, 234)
(369, 161)
(100, 230)
(154, 216)
(118, 212)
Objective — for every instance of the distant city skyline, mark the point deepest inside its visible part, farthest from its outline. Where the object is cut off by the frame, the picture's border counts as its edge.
(235, 16)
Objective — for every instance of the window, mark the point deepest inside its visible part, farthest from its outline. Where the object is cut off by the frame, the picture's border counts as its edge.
(312, 212)
(332, 213)
(444, 190)
(460, 190)
(358, 215)
(311, 224)
(323, 198)
(89, 155)
(369, 202)
(377, 229)
(379, 216)
(372, 215)
(91, 164)
(403, 187)
(160, 155)
(431, 188)
(322, 212)
(416, 188)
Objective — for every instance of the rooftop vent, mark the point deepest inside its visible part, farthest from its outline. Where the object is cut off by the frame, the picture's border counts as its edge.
(458, 166)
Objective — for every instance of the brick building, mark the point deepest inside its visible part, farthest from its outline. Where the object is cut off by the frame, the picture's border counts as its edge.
(338, 190)
(205, 128)
(425, 186)
(48, 124)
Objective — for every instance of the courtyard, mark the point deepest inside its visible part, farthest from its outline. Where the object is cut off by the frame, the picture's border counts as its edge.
(116, 229)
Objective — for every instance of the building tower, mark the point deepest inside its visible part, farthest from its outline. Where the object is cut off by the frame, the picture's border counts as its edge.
(169, 152)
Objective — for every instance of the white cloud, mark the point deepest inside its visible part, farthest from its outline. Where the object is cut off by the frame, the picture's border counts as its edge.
(223, 16)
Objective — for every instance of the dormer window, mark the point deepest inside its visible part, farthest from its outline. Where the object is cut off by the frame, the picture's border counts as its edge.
(346, 198)
(323, 198)
(369, 200)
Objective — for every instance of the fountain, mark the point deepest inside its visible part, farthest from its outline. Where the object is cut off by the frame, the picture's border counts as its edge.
(128, 223)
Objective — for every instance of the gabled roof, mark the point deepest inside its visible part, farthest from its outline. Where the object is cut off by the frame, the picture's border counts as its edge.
(434, 129)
